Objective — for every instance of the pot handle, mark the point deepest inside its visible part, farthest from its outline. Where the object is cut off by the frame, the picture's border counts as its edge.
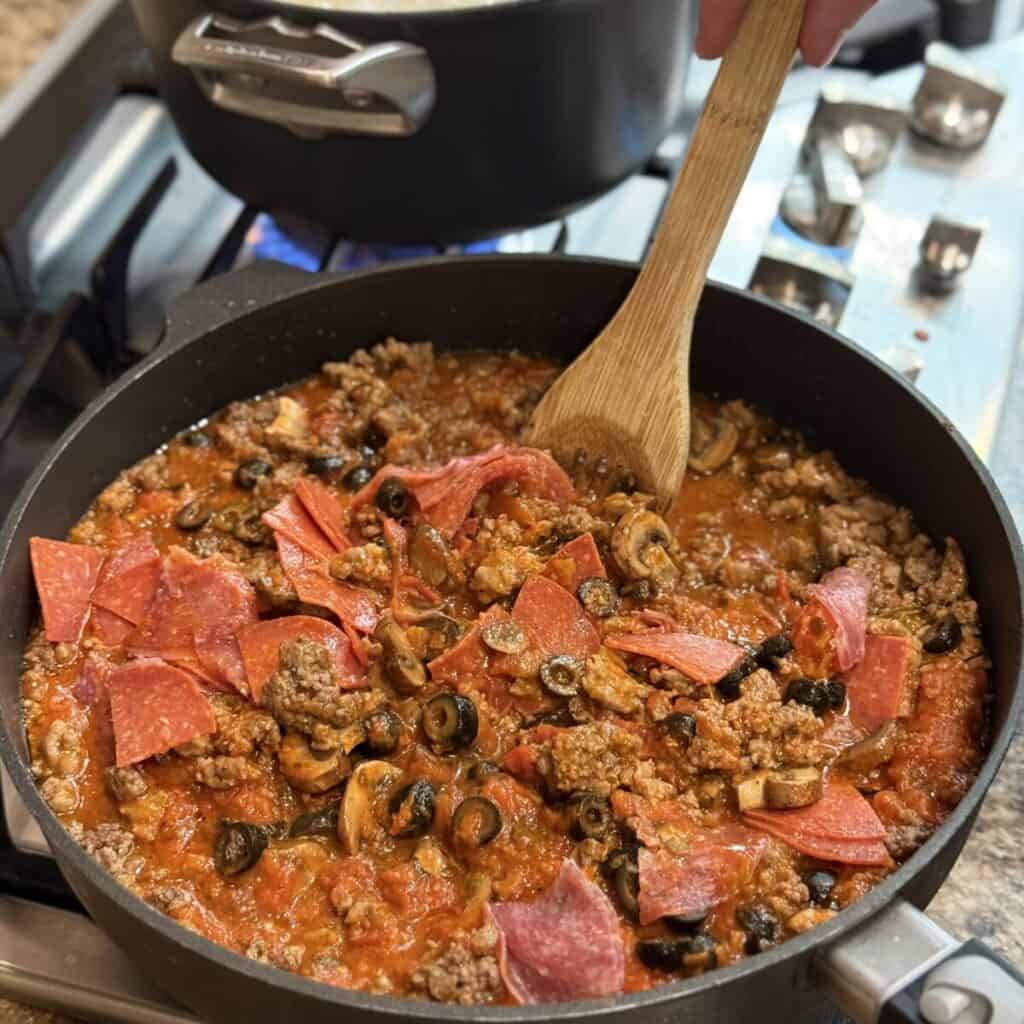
(313, 81)
(902, 968)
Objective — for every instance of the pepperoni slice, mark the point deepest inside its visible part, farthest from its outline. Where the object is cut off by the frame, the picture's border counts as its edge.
(841, 813)
(555, 619)
(129, 580)
(108, 628)
(879, 686)
(713, 870)
(841, 826)
(324, 509)
(289, 518)
(565, 945)
(261, 643)
(829, 632)
(155, 707)
(468, 657)
(197, 609)
(575, 562)
(445, 494)
(353, 605)
(65, 576)
(702, 658)
(207, 683)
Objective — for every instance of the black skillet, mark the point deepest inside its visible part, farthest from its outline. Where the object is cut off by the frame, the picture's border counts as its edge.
(248, 332)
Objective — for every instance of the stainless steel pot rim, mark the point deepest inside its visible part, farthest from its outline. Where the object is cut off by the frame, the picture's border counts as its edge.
(791, 951)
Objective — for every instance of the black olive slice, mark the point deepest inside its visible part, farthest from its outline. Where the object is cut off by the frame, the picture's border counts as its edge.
(700, 953)
(773, 647)
(944, 636)
(598, 597)
(357, 477)
(476, 822)
(818, 696)
(481, 770)
(761, 925)
(728, 686)
(681, 727)
(686, 923)
(316, 823)
(374, 438)
(450, 721)
(561, 675)
(197, 439)
(640, 590)
(192, 516)
(393, 498)
(505, 637)
(623, 874)
(383, 731)
(661, 954)
(591, 816)
(820, 885)
(250, 473)
(251, 530)
(834, 694)
(412, 810)
(238, 846)
(327, 467)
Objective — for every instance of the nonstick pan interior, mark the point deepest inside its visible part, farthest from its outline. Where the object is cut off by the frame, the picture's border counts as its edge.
(246, 333)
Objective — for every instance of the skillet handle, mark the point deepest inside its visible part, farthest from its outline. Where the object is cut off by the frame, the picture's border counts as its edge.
(903, 968)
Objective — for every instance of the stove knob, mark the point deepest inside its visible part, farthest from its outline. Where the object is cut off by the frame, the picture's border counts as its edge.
(824, 204)
(801, 278)
(956, 105)
(947, 252)
(865, 127)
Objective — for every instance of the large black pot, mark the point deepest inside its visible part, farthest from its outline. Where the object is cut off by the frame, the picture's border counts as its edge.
(245, 333)
(448, 125)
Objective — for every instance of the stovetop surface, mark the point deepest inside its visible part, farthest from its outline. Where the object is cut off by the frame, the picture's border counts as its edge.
(962, 350)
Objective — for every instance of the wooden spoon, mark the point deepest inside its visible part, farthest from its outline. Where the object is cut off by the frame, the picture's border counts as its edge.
(627, 397)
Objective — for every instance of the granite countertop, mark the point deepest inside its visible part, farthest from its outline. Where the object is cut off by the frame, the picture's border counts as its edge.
(28, 26)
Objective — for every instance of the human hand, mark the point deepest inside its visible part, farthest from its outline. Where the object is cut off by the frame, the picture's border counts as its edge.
(826, 22)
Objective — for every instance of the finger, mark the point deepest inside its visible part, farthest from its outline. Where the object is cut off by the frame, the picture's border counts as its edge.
(826, 24)
(718, 25)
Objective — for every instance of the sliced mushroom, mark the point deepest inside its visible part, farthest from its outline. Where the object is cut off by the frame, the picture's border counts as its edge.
(406, 672)
(640, 546)
(712, 442)
(792, 787)
(428, 555)
(876, 750)
(750, 792)
(369, 783)
(308, 770)
(430, 858)
(779, 790)
(291, 422)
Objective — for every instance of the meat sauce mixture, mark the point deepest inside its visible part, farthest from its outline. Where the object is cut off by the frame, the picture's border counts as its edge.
(348, 681)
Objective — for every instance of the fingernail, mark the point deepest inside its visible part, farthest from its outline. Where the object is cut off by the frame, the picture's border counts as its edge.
(837, 46)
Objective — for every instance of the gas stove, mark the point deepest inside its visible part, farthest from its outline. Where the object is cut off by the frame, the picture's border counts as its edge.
(887, 206)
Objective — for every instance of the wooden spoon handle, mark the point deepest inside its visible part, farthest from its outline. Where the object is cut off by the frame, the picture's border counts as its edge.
(730, 129)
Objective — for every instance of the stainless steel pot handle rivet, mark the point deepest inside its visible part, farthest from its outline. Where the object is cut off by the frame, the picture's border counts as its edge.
(313, 81)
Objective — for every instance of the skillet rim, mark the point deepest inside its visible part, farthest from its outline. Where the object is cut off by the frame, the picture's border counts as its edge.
(791, 953)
